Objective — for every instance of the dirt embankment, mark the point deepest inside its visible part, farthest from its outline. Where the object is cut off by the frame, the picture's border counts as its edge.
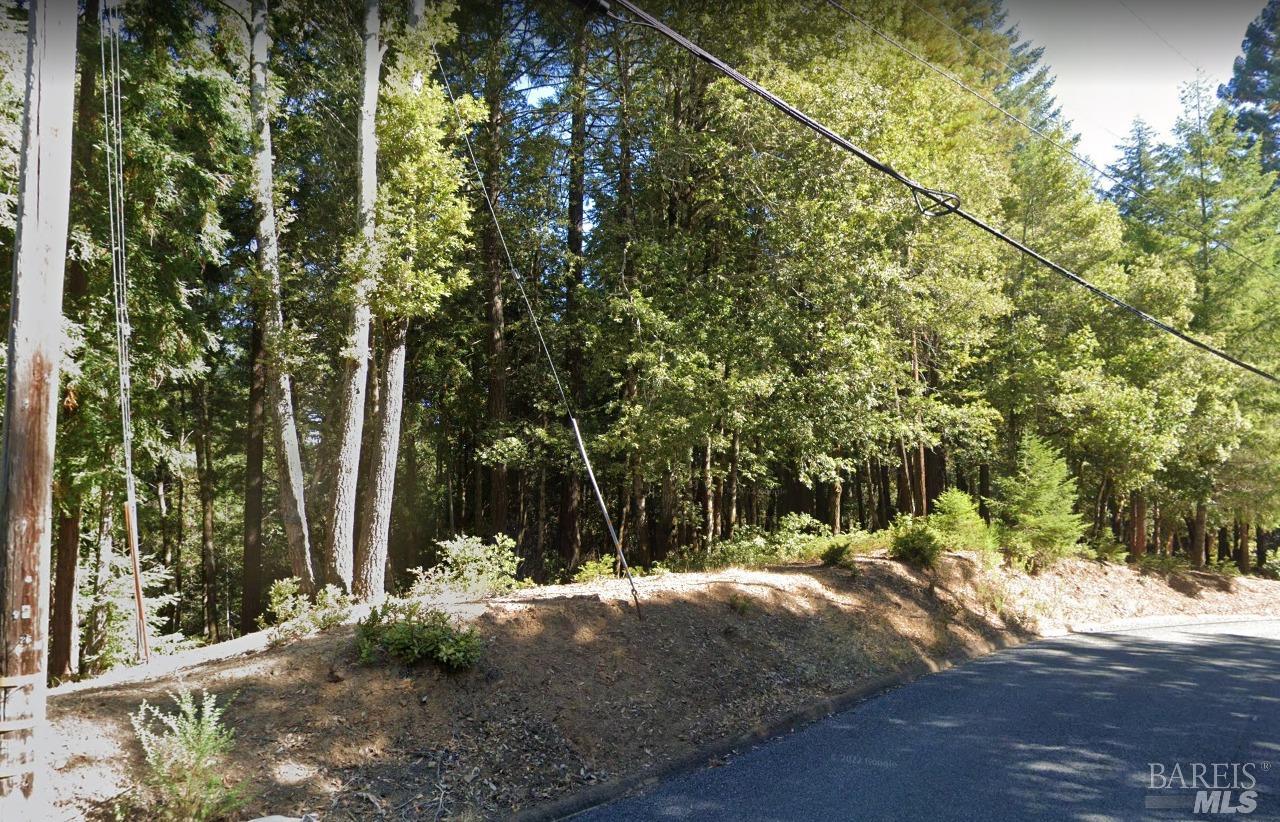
(574, 690)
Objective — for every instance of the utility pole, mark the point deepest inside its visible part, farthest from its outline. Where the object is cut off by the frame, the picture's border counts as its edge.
(35, 342)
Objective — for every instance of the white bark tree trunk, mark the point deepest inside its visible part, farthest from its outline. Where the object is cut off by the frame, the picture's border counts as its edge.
(341, 556)
(31, 398)
(293, 510)
(371, 551)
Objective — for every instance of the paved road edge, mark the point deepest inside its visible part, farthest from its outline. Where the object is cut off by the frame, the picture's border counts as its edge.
(607, 792)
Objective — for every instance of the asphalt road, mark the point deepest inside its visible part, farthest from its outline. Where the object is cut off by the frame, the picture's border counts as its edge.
(1067, 728)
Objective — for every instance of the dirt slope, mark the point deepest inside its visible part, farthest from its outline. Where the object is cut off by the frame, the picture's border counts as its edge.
(573, 689)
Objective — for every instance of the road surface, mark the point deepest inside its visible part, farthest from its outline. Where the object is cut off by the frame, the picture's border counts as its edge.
(1070, 728)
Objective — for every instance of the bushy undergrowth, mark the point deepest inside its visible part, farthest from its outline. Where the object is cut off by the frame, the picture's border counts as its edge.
(592, 570)
(471, 567)
(411, 631)
(799, 538)
(294, 615)
(915, 542)
(1160, 563)
(184, 753)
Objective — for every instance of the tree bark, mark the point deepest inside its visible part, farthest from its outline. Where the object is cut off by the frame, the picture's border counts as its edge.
(371, 554)
(708, 497)
(731, 486)
(1243, 555)
(63, 662)
(837, 496)
(293, 509)
(204, 469)
(340, 558)
(63, 658)
(491, 252)
(1138, 526)
(571, 494)
(251, 579)
(1198, 534)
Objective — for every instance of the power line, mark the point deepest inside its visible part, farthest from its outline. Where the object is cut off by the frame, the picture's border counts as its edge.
(1152, 29)
(1060, 146)
(537, 328)
(943, 203)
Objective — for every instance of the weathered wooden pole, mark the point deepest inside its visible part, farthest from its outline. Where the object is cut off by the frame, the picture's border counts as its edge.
(35, 341)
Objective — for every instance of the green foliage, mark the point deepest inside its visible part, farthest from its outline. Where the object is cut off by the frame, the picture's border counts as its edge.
(592, 570)
(410, 631)
(1036, 504)
(739, 603)
(422, 213)
(296, 616)
(958, 524)
(1108, 549)
(184, 754)
(915, 542)
(1162, 564)
(469, 566)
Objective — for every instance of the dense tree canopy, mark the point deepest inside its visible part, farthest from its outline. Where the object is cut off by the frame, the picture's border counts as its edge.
(748, 323)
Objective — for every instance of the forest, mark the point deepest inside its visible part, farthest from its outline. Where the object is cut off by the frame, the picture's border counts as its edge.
(352, 227)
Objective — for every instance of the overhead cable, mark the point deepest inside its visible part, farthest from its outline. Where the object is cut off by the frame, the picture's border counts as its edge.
(537, 328)
(930, 201)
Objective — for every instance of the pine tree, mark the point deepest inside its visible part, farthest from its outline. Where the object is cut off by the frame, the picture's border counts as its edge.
(1254, 87)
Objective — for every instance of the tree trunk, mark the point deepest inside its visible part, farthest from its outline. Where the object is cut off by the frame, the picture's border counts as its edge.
(837, 496)
(371, 554)
(293, 509)
(731, 489)
(1198, 535)
(1138, 526)
(984, 491)
(340, 558)
(1244, 556)
(63, 662)
(935, 475)
(886, 508)
(491, 252)
(571, 497)
(708, 497)
(63, 656)
(1261, 542)
(31, 396)
(204, 469)
(668, 522)
(251, 579)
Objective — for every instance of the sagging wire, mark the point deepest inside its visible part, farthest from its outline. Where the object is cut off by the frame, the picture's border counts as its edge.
(930, 201)
(542, 340)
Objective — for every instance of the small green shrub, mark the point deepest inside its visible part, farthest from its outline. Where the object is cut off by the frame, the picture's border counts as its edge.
(1225, 567)
(295, 616)
(184, 752)
(739, 603)
(471, 567)
(1271, 570)
(1106, 548)
(592, 570)
(410, 631)
(834, 550)
(958, 524)
(1159, 563)
(1036, 505)
(915, 542)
